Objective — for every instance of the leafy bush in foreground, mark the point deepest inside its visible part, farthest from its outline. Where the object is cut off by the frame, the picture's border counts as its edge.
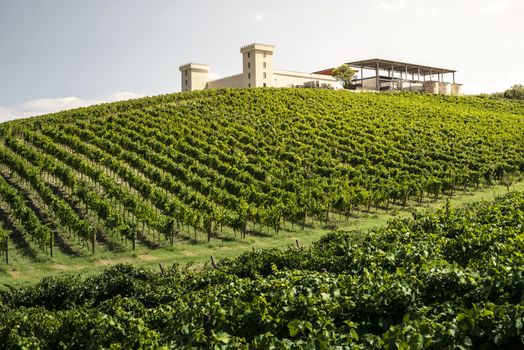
(450, 279)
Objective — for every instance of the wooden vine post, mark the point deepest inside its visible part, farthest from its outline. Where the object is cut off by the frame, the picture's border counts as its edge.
(93, 241)
(51, 241)
(6, 250)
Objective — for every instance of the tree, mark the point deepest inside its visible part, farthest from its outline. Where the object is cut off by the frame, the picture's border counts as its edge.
(515, 92)
(344, 74)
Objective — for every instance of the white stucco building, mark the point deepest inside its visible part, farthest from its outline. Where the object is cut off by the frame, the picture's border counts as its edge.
(257, 71)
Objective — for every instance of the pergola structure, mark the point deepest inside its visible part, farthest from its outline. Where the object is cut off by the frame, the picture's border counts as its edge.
(401, 76)
(418, 72)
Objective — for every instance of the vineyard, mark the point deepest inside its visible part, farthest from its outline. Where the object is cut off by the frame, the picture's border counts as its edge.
(224, 164)
(445, 280)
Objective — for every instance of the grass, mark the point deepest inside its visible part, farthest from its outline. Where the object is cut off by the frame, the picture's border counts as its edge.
(22, 272)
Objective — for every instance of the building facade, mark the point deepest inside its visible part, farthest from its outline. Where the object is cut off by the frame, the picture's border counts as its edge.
(257, 71)
(384, 75)
(372, 75)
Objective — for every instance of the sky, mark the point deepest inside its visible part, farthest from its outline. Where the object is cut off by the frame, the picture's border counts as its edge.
(61, 54)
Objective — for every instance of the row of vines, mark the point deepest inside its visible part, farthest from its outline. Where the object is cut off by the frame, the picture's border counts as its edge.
(229, 162)
(453, 279)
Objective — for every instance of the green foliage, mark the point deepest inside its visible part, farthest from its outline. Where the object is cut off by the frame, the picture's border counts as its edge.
(516, 92)
(344, 74)
(224, 162)
(450, 279)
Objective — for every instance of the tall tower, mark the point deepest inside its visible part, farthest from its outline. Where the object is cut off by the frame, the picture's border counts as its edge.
(257, 65)
(194, 76)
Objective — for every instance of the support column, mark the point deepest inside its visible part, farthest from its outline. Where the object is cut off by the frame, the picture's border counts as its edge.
(418, 75)
(406, 78)
(453, 77)
(377, 78)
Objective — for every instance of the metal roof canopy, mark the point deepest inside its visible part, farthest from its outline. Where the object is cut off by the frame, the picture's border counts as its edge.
(399, 66)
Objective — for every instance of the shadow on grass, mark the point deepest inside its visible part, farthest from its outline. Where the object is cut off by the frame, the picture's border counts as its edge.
(145, 241)
(18, 238)
(258, 233)
(59, 240)
(111, 245)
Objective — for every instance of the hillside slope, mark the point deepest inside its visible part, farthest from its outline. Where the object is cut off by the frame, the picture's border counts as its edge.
(217, 163)
(446, 280)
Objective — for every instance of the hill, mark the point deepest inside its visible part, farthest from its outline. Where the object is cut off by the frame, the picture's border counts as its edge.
(451, 279)
(226, 162)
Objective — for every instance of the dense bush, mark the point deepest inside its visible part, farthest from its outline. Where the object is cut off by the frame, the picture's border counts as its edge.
(451, 279)
(516, 92)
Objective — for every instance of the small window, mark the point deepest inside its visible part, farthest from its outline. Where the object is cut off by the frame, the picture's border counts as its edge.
(265, 75)
(249, 85)
(248, 54)
(264, 55)
(249, 75)
(264, 84)
(264, 64)
(186, 73)
(186, 81)
(248, 65)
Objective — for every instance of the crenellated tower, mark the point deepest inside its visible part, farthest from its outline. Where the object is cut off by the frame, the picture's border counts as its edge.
(257, 65)
(194, 76)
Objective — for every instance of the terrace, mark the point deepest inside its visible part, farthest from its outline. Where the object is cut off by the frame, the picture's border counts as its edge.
(379, 75)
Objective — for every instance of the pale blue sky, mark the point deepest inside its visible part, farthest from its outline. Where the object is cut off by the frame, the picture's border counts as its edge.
(57, 54)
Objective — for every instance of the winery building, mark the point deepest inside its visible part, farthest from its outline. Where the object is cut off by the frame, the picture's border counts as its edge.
(257, 71)
(372, 75)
